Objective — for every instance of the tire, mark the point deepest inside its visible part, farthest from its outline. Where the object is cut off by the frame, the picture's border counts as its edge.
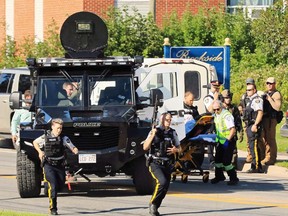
(143, 181)
(29, 176)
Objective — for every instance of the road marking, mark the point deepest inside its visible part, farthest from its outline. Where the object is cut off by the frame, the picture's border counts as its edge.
(8, 176)
(227, 199)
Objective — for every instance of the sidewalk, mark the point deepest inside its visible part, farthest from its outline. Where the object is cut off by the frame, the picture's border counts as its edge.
(271, 170)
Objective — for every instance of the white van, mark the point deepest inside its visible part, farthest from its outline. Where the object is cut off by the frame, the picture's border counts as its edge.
(174, 77)
(13, 79)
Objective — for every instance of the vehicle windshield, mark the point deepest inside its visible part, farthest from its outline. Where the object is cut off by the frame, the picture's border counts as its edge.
(55, 91)
(110, 91)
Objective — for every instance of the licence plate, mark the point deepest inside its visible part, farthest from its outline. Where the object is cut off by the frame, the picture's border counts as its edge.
(87, 158)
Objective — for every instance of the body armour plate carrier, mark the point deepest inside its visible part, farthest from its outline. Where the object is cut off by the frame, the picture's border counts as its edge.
(162, 140)
(53, 146)
(249, 114)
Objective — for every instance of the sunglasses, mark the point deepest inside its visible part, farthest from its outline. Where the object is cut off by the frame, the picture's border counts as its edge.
(249, 89)
(216, 109)
(268, 83)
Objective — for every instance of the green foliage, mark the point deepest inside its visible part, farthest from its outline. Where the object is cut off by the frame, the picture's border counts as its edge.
(132, 34)
(270, 32)
(259, 47)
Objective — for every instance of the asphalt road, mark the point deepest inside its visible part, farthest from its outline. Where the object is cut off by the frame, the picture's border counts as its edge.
(256, 194)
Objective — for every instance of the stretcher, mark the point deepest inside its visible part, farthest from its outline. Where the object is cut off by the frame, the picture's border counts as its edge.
(193, 147)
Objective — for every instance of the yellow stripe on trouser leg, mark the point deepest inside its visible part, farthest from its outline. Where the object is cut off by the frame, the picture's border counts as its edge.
(256, 153)
(49, 191)
(157, 185)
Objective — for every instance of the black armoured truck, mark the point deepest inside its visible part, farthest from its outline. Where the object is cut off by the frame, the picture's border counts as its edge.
(100, 116)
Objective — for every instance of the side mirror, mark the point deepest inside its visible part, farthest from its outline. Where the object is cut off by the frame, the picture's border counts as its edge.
(15, 100)
(156, 97)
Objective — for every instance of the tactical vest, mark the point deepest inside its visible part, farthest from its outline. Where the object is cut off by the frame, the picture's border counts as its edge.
(53, 146)
(191, 110)
(162, 140)
(249, 114)
(268, 110)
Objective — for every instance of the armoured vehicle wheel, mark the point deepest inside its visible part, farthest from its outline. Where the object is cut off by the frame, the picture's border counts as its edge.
(144, 183)
(29, 175)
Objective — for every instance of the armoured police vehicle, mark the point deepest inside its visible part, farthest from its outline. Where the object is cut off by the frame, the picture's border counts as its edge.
(100, 116)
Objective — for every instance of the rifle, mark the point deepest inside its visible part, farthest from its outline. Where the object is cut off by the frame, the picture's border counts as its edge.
(155, 111)
(153, 125)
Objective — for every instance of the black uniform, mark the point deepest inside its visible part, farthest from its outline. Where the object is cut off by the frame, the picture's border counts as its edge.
(161, 165)
(249, 118)
(53, 164)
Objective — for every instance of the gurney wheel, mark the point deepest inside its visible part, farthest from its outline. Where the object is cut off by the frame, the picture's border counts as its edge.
(184, 178)
(205, 177)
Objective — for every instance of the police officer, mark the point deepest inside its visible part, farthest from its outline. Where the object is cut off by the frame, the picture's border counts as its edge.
(226, 99)
(243, 102)
(253, 117)
(272, 104)
(225, 132)
(50, 147)
(213, 95)
(162, 143)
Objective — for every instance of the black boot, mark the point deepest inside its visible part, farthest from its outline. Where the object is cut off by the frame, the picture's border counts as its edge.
(153, 210)
(53, 211)
(233, 177)
(219, 176)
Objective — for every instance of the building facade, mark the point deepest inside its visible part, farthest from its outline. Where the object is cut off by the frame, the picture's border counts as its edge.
(30, 18)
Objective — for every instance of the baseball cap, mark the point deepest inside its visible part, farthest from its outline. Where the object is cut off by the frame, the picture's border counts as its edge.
(271, 80)
(250, 81)
(226, 93)
(215, 83)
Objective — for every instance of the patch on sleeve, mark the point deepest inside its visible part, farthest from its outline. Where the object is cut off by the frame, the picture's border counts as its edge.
(206, 100)
(229, 118)
(68, 140)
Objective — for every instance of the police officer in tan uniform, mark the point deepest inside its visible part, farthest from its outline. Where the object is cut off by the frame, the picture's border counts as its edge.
(272, 104)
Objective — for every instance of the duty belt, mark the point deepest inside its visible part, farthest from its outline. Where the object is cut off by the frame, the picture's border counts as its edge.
(54, 161)
(161, 160)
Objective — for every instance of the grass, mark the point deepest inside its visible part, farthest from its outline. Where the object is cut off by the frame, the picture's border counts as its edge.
(282, 144)
(13, 213)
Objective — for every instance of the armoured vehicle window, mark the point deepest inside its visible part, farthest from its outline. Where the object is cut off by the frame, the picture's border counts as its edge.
(60, 92)
(24, 83)
(6, 81)
(166, 82)
(110, 91)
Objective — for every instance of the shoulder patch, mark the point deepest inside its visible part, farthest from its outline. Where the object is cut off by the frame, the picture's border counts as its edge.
(257, 100)
(206, 100)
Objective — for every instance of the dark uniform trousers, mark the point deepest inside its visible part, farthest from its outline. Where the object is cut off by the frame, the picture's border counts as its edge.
(224, 155)
(54, 175)
(162, 175)
(255, 143)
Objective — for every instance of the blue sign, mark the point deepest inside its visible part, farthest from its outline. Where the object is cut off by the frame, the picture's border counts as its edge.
(217, 56)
